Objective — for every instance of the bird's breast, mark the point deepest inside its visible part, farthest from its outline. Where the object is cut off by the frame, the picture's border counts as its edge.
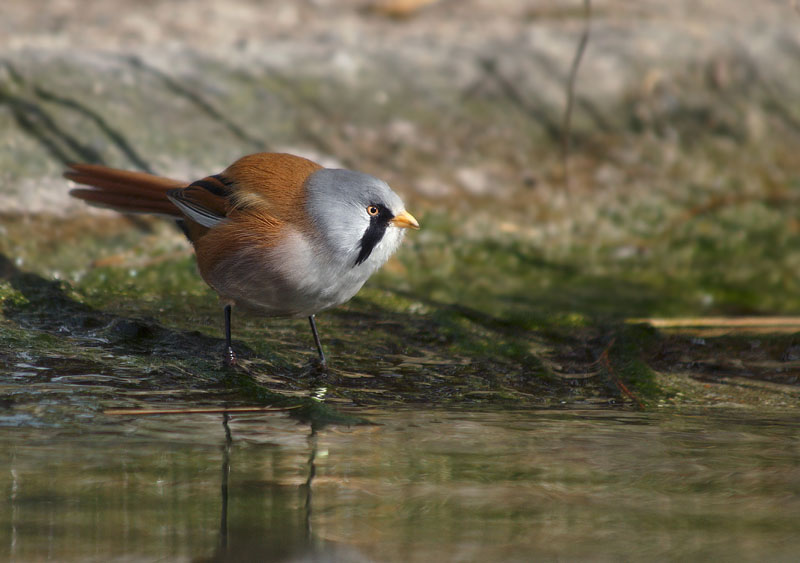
(294, 275)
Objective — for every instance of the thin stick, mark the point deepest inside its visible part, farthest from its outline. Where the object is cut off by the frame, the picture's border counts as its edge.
(137, 412)
(573, 72)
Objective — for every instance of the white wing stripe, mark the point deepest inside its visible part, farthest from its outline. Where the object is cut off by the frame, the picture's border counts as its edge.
(197, 213)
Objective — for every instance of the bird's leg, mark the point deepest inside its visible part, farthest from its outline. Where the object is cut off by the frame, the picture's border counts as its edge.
(316, 340)
(230, 355)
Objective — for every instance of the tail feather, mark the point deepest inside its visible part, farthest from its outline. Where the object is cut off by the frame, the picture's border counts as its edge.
(123, 190)
(124, 202)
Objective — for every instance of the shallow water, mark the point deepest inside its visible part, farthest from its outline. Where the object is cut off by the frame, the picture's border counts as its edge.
(418, 485)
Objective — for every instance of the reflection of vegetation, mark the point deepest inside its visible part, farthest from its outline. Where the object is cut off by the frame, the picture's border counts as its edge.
(417, 488)
(156, 495)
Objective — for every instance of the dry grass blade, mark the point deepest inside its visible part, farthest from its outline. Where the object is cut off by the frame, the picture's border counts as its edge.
(573, 72)
(722, 322)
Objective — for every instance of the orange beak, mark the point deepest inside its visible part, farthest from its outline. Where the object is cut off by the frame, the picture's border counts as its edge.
(405, 220)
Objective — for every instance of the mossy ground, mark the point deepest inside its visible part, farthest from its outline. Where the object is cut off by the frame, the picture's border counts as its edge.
(117, 306)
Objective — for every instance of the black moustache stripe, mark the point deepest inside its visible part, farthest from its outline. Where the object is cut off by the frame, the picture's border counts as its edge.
(374, 233)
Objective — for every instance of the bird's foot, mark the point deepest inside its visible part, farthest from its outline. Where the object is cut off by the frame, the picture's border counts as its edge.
(319, 365)
(229, 360)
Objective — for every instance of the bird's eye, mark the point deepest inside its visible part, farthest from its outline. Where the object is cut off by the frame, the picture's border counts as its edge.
(373, 210)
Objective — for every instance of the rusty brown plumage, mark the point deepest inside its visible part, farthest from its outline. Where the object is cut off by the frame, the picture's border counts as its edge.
(270, 184)
(129, 192)
(259, 193)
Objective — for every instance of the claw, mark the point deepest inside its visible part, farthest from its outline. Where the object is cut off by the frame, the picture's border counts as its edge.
(230, 358)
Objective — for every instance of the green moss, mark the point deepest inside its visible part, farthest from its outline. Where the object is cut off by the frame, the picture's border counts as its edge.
(626, 360)
(10, 296)
(307, 409)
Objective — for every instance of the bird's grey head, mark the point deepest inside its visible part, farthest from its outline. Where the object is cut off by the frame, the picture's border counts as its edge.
(353, 212)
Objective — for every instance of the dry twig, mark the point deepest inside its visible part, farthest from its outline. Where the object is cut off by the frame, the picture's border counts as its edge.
(210, 410)
(606, 361)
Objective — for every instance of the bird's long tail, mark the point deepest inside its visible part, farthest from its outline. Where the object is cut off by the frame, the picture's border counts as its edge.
(123, 190)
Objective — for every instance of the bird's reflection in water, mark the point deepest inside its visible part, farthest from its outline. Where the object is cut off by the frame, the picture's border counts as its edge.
(226, 471)
(266, 521)
(312, 471)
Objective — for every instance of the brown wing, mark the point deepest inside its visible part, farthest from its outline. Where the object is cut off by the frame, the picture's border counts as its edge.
(267, 184)
(270, 183)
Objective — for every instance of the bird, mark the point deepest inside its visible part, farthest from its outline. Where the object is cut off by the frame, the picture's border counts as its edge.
(274, 234)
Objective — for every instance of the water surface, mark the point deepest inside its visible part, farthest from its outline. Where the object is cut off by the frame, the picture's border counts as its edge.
(418, 485)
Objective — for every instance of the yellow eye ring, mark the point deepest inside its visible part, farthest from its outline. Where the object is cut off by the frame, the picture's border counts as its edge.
(373, 210)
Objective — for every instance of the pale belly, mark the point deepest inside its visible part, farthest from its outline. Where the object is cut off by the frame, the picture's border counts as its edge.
(294, 280)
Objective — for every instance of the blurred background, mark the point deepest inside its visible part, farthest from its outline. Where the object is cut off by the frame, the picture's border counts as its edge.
(682, 162)
(667, 190)
(536, 393)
